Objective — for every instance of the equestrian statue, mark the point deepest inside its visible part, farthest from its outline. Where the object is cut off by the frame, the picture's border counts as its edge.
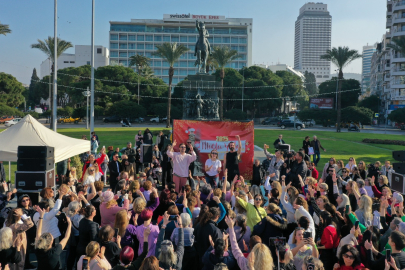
(202, 47)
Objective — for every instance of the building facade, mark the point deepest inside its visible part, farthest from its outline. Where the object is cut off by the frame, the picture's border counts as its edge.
(366, 67)
(140, 36)
(81, 57)
(313, 29)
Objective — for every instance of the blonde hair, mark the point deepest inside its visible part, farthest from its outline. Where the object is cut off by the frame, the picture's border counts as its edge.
(262, 257)
(365, 204)
(345, 201)
(317, 263)
(6, 238)
(147, 185)
(92, 249)
(111, 203)
(324, 186)
(44, 242)
(73, 169)
(353, 185)
(389, 191)
(134, 186)
(385, 179)
(274, 208)
(121, 222)
(277, 186)
(311, 181)
(294, 240)
(139, 205)
(217, 192)
(354, 160)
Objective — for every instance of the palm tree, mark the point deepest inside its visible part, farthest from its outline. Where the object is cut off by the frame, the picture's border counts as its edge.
(221, 57)
(147, 72)
(340, 57)
(4, 29)
(47, 47)
(139, 61)
(210, 64)
(170, 52)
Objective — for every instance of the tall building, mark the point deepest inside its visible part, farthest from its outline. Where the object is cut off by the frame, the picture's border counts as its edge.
(366, 67)
(81, 57)
(140, 36)
(313, 29)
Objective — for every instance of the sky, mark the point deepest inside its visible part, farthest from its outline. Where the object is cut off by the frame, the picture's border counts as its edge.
(355, 23)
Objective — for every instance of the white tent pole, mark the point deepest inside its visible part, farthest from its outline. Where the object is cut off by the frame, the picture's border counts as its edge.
(9, 171)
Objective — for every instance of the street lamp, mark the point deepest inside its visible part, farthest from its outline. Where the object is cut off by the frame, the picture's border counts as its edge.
(243, 84)
(139, 74)
(87, 94)
(337, 86)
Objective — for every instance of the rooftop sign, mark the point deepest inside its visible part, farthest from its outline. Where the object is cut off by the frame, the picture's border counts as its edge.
(193, 17)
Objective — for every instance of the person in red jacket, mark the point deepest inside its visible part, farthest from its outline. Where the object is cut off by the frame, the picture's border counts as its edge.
(92, 160)
(314, 171)
(349, 259)
(329, 241)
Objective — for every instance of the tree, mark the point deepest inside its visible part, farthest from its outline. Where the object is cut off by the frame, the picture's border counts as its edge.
(372, 102)
(34, 81)
(351, 89)
(127, 109)
(340, 57)
(4, 29)
(321, 116)
(147, 72)
(397, 115)
(11, 90)
(9, 111)
(357, 115)
(140, 61)
(236, 114)
(47, 46)
(310, 83)
(170, 52)
(293, 85)
(223, 56)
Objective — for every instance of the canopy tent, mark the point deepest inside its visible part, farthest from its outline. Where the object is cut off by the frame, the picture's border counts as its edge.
(29, 132)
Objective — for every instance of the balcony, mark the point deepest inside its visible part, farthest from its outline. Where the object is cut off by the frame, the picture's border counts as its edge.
(387, 77)
(397, 58)
(398, 20)
(388, 23)
(397, 70)
(398, 33)
(388, 34)
(400, 5)
(397, 83)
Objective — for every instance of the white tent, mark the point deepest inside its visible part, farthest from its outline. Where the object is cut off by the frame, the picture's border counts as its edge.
(29, 132)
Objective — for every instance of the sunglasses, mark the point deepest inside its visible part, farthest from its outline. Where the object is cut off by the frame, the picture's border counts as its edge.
(214, 153)
(347, 256)
(182, 147)
(92, 170)
(258, 199)
(27, 200)
(188, 142)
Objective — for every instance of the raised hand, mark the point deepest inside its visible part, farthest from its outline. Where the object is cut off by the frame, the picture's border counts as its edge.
(174, 143)
(211, 242)
(229, 222)
(166, 217)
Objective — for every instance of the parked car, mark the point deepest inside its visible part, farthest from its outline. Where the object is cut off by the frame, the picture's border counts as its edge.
(113, 118)
(288, 123)
(309, 122)
(12, 122)
(6, 118)
(138, 120)
(271, 121)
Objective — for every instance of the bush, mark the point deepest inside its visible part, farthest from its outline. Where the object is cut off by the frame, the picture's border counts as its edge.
(9, 111)
(357, 114)
(397, 115)
(379, 141)
(76, 162)
(323, 117)
(235, 114)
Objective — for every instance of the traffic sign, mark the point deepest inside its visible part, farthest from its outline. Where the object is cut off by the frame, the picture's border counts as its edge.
(376, 115)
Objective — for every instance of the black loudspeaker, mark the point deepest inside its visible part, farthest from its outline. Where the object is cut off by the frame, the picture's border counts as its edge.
(398, 155)
(284, 147)
(399, 167)
(34, 180)
(34, 196)
(35, 152)
(397, 182)
(146, 153)
(37, 164)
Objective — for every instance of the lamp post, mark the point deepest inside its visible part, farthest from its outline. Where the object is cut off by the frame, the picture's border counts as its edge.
(243, 84)
(92, 70)
(139, 74)
(87, 94)
(55, 66)
(337, 86)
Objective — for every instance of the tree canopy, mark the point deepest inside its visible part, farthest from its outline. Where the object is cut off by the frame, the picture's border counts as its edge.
(327, 89)
(372, 102)
(11, 90)
(397, 115)
(310, 83)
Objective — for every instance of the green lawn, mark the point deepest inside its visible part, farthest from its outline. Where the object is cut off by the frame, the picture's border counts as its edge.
(340, 146)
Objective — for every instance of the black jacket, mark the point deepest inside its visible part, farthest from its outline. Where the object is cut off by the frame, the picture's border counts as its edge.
(258, 174)
(306, 145)
(112, 167)
(10, 255)
(271, 226)
(88, 231)
(201, 233)
(331, 196)
(275, 144)
(297, 169)
(112, 252)
(130, 152)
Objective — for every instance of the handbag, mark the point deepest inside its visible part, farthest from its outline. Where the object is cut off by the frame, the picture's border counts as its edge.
(311, 151)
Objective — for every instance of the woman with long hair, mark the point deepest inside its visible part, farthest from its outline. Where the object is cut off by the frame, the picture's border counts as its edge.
(90, 162)
(9, 254)
(213, 168)
(47, 194)
(362, 170)
(89, 176)
(306, 144)
(19, 223)
(24, 202)
(71, 172)
(259, 258)
(365, 213)
(164, 203)
(351, 190)
(109, 208)
(382, 183)
(242, 231)
(302, 247)
(126, 231)
(351, 165)
(139, 138)
(348, 259)
(150, 263)
(343, 201)
(339, 168)
(291, 193)
(95, 257)
(112, 246)
(88, 230)
(329, 240)
(330, 164)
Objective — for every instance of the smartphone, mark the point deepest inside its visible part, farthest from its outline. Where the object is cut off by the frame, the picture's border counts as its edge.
(115, 235)
(347, 208)
(85, 264)
(356, 224)
(388, 254)
(307, 235)
(223, 178)
(173, 218)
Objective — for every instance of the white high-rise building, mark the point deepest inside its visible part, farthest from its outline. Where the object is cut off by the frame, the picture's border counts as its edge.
(81, 57)
(366, 67)
(140, 36)
(313, 29)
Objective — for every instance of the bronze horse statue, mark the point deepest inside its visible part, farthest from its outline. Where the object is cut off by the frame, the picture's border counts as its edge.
(202, 47)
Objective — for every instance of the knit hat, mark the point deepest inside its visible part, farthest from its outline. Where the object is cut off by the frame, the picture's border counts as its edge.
(107, 196)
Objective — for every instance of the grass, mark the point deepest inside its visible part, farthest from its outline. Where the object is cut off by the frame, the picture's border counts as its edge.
(338, 145)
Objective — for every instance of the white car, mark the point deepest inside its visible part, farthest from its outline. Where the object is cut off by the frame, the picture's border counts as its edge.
(155, 120)
(12, 122)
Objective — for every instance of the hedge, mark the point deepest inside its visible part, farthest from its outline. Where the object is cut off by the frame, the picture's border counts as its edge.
(378, 141)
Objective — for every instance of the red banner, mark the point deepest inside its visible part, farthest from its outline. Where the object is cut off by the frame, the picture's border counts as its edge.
(209, 135)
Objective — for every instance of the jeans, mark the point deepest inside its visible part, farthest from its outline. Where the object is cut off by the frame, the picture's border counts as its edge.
(212, 180)
(316, 157)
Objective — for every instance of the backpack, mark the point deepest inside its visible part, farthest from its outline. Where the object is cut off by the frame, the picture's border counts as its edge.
(62, 224)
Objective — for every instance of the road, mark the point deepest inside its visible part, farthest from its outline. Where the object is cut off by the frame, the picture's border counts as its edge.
(100, 124)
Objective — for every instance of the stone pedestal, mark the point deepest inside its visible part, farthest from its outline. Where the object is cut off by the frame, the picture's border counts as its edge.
(201, 97)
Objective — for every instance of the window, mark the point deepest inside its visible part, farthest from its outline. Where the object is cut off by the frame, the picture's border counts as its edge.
(141, 38)
(123, 45)
(190, 64)
(113, 45)
(114, 37)
(132, 37)
(242, 48)
(234, 40)
(210, 39)
(140, 46)
(242, 40)
(66, 62)
(157, 63)
(123, 37)
(176, 72)
(131, 46)
(175, 80)
(192, 39)
(123, 54)
(183, 39)
(99, 50)
(124, 62)
(175, 39)
(88, 62)
(191, 72)
(165, 63)
(113, 54)
(149, 46)
(217, 39)
(158, 38)
(149, 38)
(131, 54)
(183, 63)
(226, 40)
(148, 54)
(72, 62)
(234, 47)
(242, 57)
(183, 72)
(166, 38)
(157, 71)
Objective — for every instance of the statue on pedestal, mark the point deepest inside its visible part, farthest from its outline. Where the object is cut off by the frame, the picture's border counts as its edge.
(202, 47)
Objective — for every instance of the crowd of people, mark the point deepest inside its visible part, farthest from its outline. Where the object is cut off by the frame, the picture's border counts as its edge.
(158, 215)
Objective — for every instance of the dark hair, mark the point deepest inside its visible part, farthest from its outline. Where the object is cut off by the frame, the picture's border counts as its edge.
(164, 196)
(88, 211)
(203, 209)
(303, 222)
(106, 233)
(275, 193)
(43, 205)
(367, 235)
(352, 250)
(241, 222)
(399, 240)
(300, 154)
(66, 200)
(255, 239)
(274, 200)
(212, 213)
(79, 188)
(261, 196)
(219, 247)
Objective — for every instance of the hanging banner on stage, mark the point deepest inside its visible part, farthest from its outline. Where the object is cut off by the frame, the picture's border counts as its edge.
(209, 135)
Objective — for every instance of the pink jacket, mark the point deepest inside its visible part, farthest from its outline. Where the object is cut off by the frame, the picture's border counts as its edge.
(237, 253)
(108, 214)
(181, 162)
